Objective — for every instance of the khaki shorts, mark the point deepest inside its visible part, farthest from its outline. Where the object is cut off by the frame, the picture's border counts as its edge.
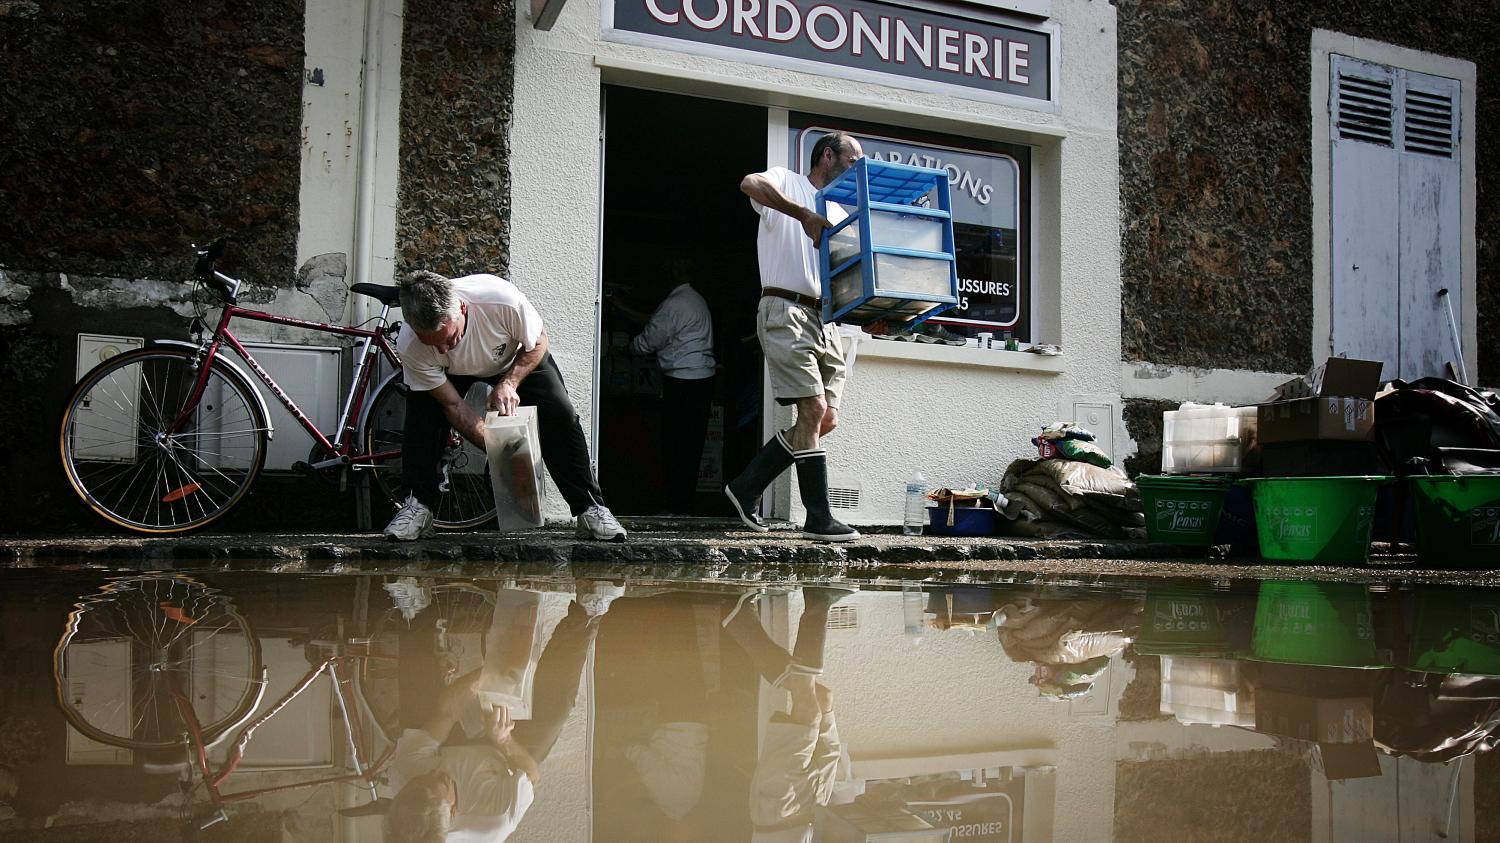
(806, 357)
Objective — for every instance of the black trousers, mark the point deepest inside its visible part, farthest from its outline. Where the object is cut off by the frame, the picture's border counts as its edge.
(564, 449)
(685, 405)
(555, 688)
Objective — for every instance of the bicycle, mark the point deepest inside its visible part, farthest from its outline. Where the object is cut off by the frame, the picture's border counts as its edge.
(194, 677)
(169, 438)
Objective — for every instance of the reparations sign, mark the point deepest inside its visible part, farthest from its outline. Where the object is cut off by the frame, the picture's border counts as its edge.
(858, 37)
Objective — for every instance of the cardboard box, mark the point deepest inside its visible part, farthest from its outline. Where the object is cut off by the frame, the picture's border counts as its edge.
(1317, 418)
(1333, 401)
(1342, 727)
(1320, 719)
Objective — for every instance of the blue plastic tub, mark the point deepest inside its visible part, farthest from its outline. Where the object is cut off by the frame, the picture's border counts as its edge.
(967, 521)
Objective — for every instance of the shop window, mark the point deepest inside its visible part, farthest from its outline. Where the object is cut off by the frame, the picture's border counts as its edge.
(990, 185)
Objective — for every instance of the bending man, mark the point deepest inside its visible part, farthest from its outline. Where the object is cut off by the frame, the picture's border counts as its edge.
(481, 328)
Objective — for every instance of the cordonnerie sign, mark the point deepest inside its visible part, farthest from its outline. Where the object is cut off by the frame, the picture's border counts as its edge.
(852, 38)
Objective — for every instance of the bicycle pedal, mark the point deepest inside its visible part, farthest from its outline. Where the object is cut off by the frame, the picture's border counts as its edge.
(303, 468)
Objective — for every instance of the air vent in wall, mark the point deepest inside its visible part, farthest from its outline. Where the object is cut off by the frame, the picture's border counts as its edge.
(843, 498)
(843, 617)
(1364, 109)
(1429, 123)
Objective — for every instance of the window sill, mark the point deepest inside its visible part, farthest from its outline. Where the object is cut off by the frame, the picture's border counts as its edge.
(1014, 361)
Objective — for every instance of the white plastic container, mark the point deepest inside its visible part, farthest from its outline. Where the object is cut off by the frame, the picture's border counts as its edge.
(1207, 439)
(514, 447)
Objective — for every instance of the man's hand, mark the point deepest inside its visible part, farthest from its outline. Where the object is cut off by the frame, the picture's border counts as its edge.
(503, 399)
(500, 725)
(814, 223)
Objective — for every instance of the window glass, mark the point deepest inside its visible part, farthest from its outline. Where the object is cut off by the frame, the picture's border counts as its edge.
(989, 185)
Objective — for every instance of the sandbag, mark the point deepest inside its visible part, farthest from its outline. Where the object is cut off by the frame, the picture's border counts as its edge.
(1086, 479)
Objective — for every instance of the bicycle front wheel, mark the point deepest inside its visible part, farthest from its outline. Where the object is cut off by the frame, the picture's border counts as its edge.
(464, 496)
(140, 456)
(145, 651)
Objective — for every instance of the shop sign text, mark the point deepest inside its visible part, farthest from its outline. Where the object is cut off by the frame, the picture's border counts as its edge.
(858, 35)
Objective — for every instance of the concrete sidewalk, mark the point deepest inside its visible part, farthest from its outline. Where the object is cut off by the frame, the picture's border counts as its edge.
(698, 549)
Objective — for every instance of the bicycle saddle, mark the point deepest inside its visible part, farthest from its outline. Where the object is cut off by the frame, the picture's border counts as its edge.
(383, 293)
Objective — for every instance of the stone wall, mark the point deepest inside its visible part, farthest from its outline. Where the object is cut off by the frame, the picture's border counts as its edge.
(1227, 796)
(1216, 170)
(131, 128)
(457, 70)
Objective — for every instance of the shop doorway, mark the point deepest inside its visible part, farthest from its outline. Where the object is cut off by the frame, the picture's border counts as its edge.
(673, 214)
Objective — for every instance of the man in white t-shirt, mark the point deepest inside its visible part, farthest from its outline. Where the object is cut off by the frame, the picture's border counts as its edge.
(680, 333)
(481, 328)
(805, 357)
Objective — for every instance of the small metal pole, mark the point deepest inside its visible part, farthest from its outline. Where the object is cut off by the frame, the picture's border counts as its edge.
(1458, 773)
(1458, 344)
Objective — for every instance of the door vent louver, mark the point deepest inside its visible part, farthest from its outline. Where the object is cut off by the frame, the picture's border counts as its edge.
(1429, 123)
(1364, 109)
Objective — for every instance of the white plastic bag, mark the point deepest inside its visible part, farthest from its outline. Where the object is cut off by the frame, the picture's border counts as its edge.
(514, 447)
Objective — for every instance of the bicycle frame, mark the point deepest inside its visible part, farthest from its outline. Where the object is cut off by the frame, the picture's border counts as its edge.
(365, 770)
(341, 445)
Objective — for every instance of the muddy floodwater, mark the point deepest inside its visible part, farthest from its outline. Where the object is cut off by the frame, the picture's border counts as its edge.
(249, 706)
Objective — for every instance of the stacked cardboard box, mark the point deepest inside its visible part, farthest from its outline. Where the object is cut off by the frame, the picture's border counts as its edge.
(1324, 422)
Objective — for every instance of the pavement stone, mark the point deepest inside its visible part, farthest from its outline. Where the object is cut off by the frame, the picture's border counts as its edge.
(696, 550)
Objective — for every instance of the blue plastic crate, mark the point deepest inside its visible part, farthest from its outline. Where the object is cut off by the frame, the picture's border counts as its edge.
(891, 258)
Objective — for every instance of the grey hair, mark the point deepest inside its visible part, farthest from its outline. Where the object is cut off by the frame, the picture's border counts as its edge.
(427, 300)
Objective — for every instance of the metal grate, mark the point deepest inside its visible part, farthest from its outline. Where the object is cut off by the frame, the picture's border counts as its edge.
(843, 498)
(1428, 123)
(1364, 109)
(843, 617)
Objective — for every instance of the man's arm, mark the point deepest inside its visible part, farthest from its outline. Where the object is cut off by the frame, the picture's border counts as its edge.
(460, 415)
(504, 397)
(759, 188)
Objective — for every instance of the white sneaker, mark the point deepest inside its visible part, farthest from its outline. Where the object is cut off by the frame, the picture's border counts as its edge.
(413, 521)
(598, 523)
(596, 595)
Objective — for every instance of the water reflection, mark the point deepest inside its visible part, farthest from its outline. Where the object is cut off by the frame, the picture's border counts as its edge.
(380, 708)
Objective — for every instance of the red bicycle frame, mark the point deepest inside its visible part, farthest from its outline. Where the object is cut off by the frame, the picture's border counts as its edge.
(357, 737)
(341, 445)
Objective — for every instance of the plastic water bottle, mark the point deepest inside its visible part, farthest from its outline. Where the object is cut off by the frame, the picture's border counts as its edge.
(916, 505)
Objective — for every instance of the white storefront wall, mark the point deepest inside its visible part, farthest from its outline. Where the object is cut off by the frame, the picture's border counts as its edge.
(958, 415)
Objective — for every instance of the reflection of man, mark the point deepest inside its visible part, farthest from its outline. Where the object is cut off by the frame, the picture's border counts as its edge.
(479, 788)
(801, 756)
(805, 357)
(481, 328)
(680, 332)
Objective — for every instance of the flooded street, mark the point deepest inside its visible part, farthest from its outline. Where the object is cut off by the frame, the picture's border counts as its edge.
(374, 707)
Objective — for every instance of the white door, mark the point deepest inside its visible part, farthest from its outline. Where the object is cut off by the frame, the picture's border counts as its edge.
(1395, 216)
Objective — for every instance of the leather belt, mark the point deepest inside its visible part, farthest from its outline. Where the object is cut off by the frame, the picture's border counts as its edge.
(800, 298)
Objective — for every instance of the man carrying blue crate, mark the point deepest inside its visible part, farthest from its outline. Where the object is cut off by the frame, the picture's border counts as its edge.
(805, 356)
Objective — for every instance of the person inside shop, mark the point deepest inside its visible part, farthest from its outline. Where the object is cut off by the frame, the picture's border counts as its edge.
(482, 328)
(453, 785)
(804, 356)
(802, 758)
(680, 333)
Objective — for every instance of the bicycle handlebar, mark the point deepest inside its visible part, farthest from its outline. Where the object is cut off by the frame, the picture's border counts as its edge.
(204, 269)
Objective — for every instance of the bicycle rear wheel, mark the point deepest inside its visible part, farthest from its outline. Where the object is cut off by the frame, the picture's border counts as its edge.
(122, 461)
(443, 639)
(128, 651)
(464, 498)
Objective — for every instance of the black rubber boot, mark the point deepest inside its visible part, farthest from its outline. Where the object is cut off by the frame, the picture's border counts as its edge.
(812, 479)
(744, 491)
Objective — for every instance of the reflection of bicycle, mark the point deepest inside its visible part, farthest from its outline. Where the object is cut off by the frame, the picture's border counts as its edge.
(162, 662)
(445, 623)
(170, 437)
